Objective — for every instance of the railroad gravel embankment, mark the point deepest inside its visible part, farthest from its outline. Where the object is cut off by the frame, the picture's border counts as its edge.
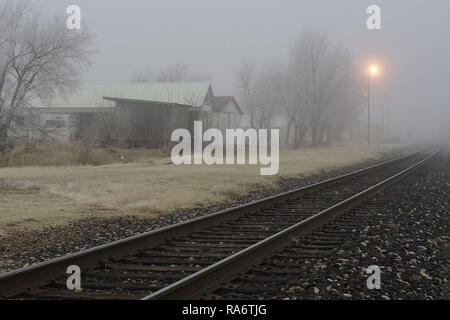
(407, 237)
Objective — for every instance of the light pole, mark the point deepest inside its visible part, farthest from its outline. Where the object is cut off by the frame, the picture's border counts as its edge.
(387, 117)
(383, 121)
(373, 70)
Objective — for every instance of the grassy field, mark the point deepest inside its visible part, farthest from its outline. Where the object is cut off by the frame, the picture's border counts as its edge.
(145, 183)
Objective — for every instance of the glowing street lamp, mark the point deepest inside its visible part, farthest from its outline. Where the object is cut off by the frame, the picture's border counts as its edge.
(372, 71)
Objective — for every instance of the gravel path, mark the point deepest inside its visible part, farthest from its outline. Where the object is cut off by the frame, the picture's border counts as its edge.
(408, 238)
(26, 248)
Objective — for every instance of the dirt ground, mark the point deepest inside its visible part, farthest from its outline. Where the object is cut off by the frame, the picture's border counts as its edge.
(35, 197)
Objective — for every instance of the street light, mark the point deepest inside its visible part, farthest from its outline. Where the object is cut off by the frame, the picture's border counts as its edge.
(372, 71)
(383, 121)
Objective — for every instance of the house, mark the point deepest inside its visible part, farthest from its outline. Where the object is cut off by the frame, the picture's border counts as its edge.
(137, 114)
(226, 113)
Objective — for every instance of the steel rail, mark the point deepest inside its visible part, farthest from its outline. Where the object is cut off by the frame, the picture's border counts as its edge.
(19, 280)
(211, 277)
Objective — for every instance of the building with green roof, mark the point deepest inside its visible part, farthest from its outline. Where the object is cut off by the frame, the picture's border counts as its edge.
(134, 114)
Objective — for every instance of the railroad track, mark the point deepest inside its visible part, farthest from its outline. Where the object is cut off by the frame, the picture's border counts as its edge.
(278, 274)
(191, 258)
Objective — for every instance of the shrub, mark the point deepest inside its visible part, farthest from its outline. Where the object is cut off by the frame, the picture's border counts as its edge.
(75, 153)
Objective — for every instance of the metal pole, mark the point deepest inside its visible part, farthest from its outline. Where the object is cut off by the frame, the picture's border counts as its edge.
(368, 107)
(387, 117)
(383, 107)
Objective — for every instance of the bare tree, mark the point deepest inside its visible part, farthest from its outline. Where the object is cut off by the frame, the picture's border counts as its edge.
(173, 73)
(246, 77)
(294, 107)
(142, 76)
(39, 57)
(106, 123)
(269, 93)
(325, 78)
(198, 76)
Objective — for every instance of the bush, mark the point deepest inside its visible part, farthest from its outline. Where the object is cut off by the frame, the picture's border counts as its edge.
(58, 154)
(73, 153)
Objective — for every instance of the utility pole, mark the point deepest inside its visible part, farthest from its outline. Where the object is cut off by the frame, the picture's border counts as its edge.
(368, 107)
(387, 117)
(383, 106)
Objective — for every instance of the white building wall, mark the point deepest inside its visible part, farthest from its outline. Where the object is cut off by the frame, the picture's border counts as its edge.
(228, 118)
(62, 127)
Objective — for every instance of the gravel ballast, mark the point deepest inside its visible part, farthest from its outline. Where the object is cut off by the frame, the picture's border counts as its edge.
(407, 236)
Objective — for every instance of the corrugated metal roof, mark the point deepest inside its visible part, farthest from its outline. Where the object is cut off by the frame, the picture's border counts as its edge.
(186, 93)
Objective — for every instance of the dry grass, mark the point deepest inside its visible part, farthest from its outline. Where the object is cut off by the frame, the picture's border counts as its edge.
(24, 209)
(66, 154)
(150, 186)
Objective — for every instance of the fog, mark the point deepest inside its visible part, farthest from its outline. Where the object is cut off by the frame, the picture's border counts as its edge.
(213, 37)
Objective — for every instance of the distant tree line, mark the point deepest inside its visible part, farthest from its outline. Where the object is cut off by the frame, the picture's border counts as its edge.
(176, 72)
(316, 92)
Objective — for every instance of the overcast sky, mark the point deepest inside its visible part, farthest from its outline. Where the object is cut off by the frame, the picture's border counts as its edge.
(213, 36)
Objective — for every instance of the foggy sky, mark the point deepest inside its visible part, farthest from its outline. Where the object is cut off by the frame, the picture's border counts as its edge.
(213, 37)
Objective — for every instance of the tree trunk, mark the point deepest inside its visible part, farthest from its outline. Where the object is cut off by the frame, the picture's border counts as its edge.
(295, 135)
(301, 135)
(329, 138)
(288, 130)
(3, 138)
(314, 135)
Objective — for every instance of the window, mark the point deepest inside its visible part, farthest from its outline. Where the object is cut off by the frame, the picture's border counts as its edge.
(55, 123)
(73, 124)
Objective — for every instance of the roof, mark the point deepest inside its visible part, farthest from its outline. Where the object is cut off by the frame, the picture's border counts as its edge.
(143, 101)
(72, 109)
(219, 103)
(184, 93)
